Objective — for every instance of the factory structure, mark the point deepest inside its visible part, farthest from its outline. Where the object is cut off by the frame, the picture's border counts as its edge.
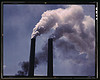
(32, 58)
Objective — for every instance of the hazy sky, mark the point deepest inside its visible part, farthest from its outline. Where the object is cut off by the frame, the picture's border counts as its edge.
(18, 23)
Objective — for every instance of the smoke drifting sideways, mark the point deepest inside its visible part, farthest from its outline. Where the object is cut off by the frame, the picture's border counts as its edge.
(73, 34)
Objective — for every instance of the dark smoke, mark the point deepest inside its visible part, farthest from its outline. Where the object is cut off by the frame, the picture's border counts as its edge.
(69, 51)
(25, 68)
(42, 56)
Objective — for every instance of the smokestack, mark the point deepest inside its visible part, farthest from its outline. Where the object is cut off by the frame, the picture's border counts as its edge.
(50, 57)
(32, 58)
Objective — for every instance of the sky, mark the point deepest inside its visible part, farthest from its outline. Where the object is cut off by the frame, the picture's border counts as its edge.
(18, 23)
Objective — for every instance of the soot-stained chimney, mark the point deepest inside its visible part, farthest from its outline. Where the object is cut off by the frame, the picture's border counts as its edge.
(32, 58)
(50, 57)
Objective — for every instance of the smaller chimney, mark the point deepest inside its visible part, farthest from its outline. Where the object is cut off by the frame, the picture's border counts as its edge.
(50, 57)
(32, 58)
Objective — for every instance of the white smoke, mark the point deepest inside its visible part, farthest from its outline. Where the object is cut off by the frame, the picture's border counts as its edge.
(71, 23)
(73, 33)
(59, 16)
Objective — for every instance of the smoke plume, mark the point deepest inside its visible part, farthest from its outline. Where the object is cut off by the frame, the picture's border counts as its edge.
(73, 34)
(59, 16)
